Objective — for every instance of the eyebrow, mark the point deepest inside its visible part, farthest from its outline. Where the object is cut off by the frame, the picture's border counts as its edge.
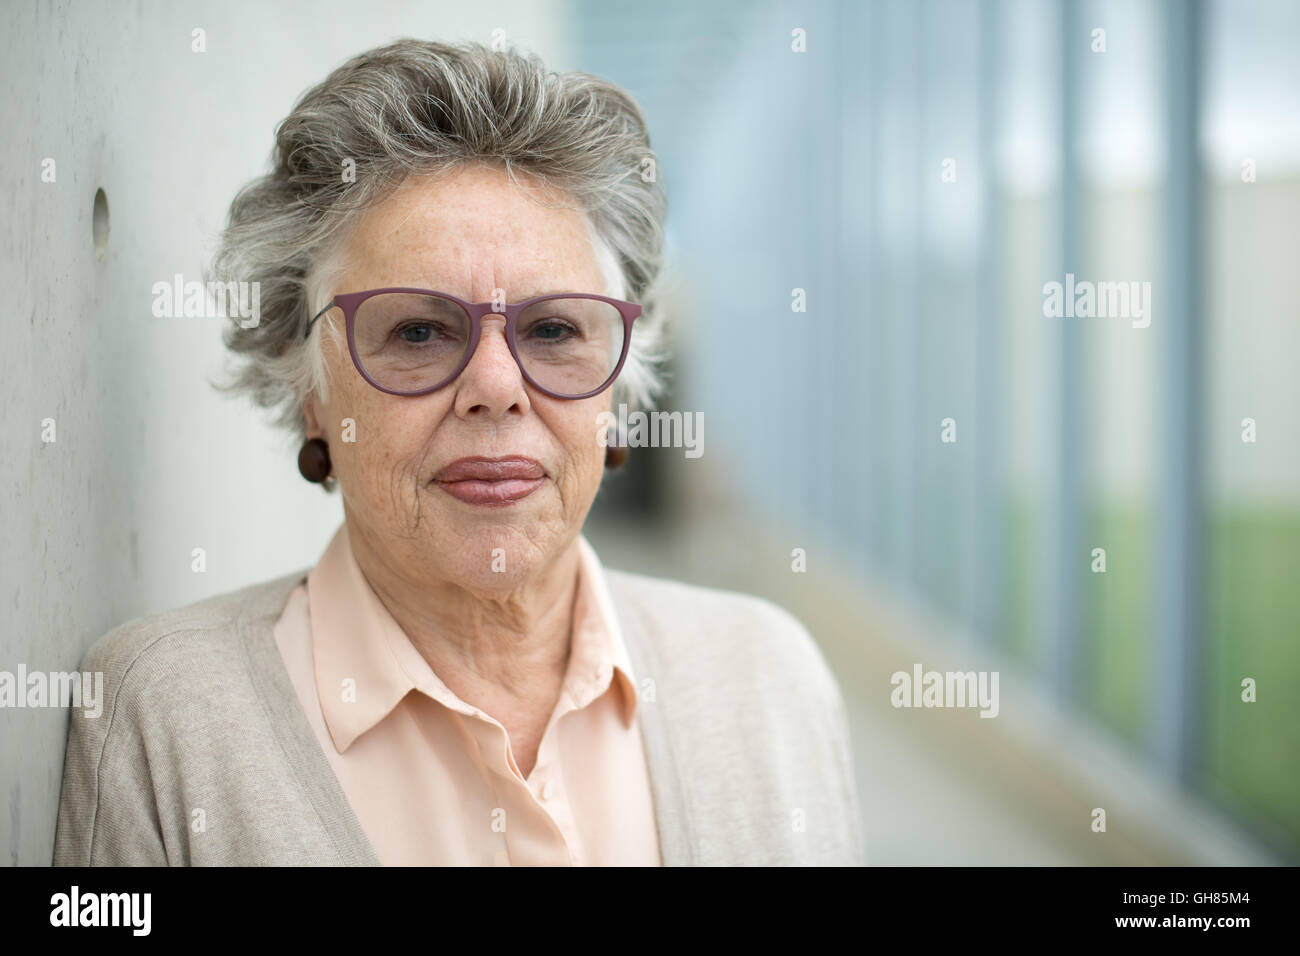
(532, 294)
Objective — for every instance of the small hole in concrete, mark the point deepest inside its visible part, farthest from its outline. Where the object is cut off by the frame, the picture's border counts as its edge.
(100, 224)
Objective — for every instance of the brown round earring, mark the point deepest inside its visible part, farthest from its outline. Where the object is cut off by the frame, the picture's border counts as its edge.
(314, 460)
(616, 454)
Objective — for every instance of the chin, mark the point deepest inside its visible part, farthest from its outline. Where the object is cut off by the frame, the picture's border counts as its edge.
(494, 553)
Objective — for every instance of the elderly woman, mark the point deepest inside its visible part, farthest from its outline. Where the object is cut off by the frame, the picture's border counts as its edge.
(456, 251)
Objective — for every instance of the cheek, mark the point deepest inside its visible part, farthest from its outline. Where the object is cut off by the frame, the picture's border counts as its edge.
(388, 450)
(578, 431)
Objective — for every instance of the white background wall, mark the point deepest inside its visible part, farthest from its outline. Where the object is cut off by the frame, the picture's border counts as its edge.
(149, 461)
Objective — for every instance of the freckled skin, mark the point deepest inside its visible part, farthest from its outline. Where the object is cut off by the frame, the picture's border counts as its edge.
(502, 637)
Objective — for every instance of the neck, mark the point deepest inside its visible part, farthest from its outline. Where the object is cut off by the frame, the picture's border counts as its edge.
(484, 645)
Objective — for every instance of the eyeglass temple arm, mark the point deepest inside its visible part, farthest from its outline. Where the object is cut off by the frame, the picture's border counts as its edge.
(307, 333)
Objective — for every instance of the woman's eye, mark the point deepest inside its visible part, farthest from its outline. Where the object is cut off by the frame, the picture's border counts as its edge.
(416, 334)
(551, 331)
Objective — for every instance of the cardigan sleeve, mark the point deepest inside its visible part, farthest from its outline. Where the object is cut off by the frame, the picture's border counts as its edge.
(822, 698)
(107, 811)
(844, 748)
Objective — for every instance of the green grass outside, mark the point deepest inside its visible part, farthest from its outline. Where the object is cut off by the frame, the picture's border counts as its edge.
(1117, 619)
(1252, 617)
(1253, 754)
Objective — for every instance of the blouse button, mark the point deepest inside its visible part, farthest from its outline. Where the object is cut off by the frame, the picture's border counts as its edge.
(548, 789)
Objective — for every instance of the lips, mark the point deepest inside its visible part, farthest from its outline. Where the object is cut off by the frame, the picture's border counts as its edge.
(491, 481)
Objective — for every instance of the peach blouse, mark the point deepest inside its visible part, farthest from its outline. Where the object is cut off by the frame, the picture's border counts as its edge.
(431, 778)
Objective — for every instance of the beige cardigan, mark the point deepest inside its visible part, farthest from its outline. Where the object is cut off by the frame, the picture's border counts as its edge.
(203, 755)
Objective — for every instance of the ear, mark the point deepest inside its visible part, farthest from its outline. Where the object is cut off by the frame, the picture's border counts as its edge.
(311, 413)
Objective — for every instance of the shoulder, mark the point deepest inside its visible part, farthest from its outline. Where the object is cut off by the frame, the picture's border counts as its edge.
(754, 718)
(709, 606)
(170, 647)
(173, 709)
(710, 628)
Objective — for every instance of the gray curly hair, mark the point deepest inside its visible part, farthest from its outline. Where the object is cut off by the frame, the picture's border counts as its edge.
(416, 107)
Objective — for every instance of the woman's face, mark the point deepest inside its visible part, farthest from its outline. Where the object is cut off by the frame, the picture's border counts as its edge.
(475, 235)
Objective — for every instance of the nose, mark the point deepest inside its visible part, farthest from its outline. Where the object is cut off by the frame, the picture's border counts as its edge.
(491, 385)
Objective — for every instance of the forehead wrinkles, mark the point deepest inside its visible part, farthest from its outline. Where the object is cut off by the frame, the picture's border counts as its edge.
(476, 232)
(474, 265)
